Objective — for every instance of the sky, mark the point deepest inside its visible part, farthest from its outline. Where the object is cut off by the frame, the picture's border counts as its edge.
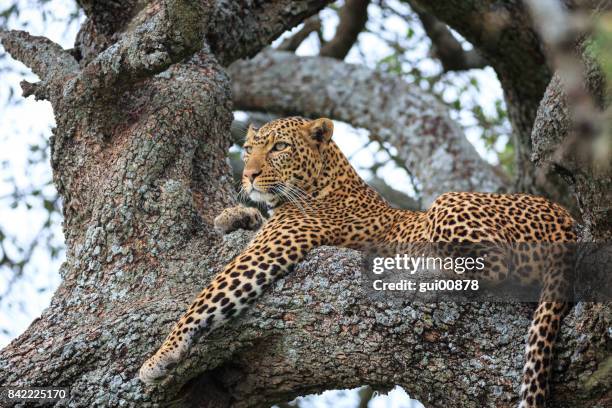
(21, 125)
(27, 122)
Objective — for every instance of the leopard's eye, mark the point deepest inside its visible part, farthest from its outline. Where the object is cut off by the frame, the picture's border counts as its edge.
(248, 149)
(280, 146)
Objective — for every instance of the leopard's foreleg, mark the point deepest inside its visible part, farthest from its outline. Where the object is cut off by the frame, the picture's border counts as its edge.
(238, 217)
(275, 250)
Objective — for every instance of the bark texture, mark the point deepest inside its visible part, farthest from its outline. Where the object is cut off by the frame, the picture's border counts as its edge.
(432, 145)
(558, 146)
(232, 29)
(141, 168)
(572, 119)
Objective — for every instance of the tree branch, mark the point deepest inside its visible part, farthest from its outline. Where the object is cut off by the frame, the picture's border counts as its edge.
(233, 30)
(353, 18)
(162, 34)
(44, 57)
(431, 144)
(316, 320)
(53, 65)
(446, 47)
(240, 29)
(311, 25)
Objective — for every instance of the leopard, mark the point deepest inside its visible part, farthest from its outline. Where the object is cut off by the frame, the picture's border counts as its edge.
(316, 197)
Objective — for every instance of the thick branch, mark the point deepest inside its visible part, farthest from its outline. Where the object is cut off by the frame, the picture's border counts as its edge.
(162, 34)
(232, 29)
(315, 329)
(447, 48)
(446, 355)
(570, 123)
(556, 145)
(240, 29)
(353, 17)
(415, 123)
(44, 57)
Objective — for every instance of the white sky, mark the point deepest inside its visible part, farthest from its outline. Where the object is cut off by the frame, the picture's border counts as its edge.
(23, 124)
(20, 126)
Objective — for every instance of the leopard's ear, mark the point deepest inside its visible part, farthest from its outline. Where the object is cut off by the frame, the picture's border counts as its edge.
(240, 132)
(320, 130)
(251, 130)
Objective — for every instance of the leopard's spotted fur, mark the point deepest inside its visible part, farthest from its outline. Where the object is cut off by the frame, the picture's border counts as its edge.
(318, 198)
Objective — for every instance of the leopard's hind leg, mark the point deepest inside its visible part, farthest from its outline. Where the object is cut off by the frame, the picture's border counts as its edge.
(542, 335)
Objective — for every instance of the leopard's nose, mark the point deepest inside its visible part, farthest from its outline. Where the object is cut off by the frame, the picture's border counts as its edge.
(252, 174)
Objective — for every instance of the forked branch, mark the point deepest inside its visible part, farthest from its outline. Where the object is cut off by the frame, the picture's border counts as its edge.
(446, 47)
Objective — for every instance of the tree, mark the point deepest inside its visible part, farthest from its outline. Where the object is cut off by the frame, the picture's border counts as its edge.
(143, 109)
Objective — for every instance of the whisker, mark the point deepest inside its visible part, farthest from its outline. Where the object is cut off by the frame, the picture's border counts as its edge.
(281, 189)
(295, 201)
(242, 195)
(302, 194)
(297, 197)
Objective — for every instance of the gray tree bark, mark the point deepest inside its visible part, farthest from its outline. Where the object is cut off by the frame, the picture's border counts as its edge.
(138, 158)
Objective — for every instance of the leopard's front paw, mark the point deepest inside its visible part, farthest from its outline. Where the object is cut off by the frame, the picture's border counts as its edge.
(239, 217)
(156, 368)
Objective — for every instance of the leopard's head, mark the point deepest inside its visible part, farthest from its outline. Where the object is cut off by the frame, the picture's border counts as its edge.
(284, 157)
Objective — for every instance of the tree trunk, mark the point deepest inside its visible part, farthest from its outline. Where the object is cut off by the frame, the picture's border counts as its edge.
(138, 157)
(559, 146)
